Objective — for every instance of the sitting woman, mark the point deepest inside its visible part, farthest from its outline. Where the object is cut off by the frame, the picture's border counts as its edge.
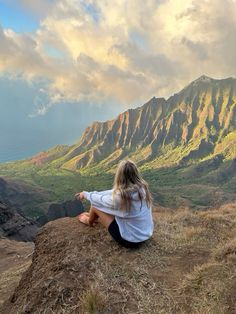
(125, 210)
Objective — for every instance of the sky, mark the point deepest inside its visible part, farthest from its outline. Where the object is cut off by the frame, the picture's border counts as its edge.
(70, 62)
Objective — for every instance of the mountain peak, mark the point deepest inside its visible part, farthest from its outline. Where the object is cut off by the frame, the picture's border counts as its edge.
(203, 78)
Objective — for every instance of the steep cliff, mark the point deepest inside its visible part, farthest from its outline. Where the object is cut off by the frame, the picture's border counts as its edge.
(14, 225)
(197, 122)
(59, 210)
(23, 195)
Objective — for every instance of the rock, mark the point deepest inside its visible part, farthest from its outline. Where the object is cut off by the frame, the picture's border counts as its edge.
(14, 225)
(81, 269)
(66, 209)
(64, 268)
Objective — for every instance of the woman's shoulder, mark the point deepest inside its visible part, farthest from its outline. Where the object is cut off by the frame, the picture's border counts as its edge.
(134, 191)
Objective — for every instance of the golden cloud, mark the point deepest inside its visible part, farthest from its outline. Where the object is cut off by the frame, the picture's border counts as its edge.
(123, 50)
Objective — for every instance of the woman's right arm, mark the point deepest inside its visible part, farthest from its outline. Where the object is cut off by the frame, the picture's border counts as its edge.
(104, 201)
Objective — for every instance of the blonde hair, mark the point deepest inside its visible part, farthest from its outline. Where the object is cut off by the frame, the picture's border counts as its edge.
(128, 179)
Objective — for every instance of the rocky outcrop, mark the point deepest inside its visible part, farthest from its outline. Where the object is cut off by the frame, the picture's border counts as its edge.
(80, 269)
(14, 225)
(66, 209)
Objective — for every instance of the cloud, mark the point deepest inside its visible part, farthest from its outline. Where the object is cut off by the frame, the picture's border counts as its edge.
(39, 8)
(126, 51)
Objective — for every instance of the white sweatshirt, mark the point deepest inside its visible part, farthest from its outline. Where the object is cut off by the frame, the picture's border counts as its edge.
(135, 225)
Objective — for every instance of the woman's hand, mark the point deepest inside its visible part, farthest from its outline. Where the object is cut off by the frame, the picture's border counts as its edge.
(80, 196)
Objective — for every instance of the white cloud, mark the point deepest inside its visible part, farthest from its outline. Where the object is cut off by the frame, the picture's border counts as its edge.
(122, 50)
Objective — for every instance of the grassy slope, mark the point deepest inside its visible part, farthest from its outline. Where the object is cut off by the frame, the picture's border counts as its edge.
(199, 185)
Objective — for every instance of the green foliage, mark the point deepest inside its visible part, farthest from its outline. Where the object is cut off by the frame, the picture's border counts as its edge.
(195, 185)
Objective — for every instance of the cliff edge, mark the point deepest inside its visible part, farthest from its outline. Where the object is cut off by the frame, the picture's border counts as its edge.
(188, 266)
(14, 225)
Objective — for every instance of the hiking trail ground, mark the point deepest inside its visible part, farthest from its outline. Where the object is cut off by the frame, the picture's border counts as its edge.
(188, 266)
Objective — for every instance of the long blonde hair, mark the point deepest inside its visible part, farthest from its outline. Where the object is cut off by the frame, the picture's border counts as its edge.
(128, 179)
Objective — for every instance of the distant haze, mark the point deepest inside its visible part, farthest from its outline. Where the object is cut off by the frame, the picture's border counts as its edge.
(22, 136)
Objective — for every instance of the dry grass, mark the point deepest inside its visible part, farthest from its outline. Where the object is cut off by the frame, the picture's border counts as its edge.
(93, 300)
(186, 267)
(209, 288)
(226, 251)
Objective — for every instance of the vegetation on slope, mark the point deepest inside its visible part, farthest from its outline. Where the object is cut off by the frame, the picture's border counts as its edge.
(196, 123)
(201, 185)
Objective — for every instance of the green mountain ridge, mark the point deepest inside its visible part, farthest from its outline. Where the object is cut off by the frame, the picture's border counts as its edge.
(197, 123)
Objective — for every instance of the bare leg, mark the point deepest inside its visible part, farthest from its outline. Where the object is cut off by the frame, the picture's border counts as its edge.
(94, 214)
(104, 218)
(87, 214)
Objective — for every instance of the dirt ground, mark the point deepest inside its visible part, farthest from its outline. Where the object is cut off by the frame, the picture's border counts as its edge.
(188, 266)
(15, 258)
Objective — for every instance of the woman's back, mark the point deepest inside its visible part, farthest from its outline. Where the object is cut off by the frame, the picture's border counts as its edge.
(126, 210)
(135, 224)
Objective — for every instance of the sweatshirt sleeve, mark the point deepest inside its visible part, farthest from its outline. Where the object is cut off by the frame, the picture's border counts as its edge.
(103, 201)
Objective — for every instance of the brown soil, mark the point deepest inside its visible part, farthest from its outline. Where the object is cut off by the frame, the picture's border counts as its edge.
(182, 269)
(15, 258)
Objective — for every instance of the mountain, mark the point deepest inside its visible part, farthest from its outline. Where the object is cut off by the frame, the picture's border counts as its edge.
(55, 211)
(24, 195)
(188, 266)
(14, 225)
(197, 123)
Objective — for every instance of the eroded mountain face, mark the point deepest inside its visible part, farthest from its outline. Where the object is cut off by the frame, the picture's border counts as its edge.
(197, 122)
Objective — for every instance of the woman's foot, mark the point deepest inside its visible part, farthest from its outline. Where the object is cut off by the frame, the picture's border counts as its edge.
(84, 218)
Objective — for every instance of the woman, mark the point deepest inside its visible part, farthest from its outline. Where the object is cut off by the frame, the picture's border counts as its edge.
(125, 210)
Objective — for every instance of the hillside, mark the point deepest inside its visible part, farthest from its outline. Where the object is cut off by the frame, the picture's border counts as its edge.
(189, 266)
(23, 194)
(196, 123)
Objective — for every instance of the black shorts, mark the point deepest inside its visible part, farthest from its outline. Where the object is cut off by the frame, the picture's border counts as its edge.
(114, 231)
